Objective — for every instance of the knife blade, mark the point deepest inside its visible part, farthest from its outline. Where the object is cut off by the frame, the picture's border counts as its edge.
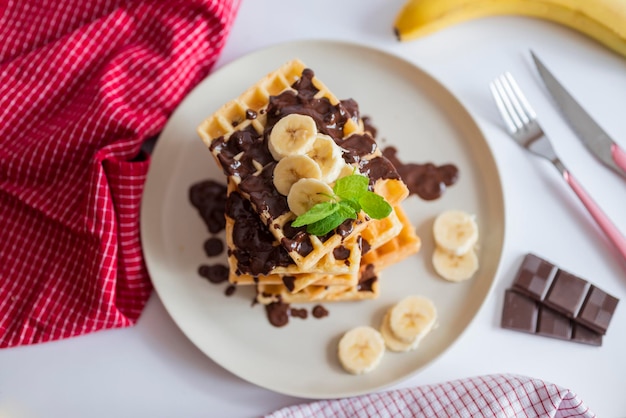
(587, 129)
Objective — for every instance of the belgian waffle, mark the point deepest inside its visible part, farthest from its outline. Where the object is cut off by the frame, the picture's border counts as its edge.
(338, 267)
(246, 120)
(367, 288)
(401, 246)
(406, 243)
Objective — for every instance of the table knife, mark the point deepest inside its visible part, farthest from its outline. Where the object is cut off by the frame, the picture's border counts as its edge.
(587, 129)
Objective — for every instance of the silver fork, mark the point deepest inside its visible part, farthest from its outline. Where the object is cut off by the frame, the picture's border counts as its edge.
(521, 122)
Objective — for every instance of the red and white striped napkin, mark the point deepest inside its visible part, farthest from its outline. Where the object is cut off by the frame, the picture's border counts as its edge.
(475, 397)
(82, 84)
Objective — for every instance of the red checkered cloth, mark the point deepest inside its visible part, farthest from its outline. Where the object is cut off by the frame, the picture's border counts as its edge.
(482, 396)
(83, 83)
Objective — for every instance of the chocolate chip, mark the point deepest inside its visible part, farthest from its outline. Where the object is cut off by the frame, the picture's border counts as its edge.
(213, 246)
(298, 313)
(277, 313)
(216, 273)
(319, 311)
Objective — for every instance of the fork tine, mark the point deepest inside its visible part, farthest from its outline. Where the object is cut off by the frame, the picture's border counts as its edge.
(518, 93)
(502, 108)
(509, 114)
(512, 95)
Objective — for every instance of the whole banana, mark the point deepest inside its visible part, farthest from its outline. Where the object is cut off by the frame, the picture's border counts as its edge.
(602, 20)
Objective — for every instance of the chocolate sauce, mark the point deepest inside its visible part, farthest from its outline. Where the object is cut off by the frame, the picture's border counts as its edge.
(289, 281)
(357, 146)
(216, 273)
(263, 194)
(345, 228)
(330, 119)
(319, 311)
(367, 279)
(238, 153)
(230, 290)
(290, 231)
(369, 127)
(300, 243)
(213, 246)
(277, 313)
(378, 168)
(209, 198)
(299, 313)
(255, 252)
(352, 108)
(363, 245)
(428, 181)
(250, 114)
(341, 253)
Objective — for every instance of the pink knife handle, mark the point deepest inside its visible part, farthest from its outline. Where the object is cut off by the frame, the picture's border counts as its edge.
(601, 219)
(619, 156)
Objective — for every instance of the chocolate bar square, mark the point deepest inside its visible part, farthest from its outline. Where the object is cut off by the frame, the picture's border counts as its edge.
(566, 294)
(553, 324)
(584, 335)
(597, 309)
(519, 312)
(534, 277)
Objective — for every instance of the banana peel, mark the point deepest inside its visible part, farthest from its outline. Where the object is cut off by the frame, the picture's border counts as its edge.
(602, 20)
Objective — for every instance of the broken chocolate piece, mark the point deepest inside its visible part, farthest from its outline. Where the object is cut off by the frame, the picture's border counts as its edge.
(521, 313)
(565, 293)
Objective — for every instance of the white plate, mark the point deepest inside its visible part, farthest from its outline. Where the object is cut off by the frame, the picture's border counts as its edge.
(414, 113)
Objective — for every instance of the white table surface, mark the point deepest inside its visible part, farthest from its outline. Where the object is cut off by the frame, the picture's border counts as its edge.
(153, 370)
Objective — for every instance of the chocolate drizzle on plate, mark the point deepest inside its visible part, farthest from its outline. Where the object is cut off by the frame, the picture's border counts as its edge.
(209, 198)
(427, 180)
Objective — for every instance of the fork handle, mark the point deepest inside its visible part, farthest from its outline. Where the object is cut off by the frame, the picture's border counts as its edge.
(619, 157)
(598, 215)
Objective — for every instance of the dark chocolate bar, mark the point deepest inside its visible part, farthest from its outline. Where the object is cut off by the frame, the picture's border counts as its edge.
(522, 313)
(565, 293)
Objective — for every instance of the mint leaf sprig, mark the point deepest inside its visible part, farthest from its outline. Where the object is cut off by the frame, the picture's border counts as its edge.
(350, 196)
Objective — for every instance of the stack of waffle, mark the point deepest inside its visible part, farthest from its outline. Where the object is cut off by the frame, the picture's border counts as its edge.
(286, 263)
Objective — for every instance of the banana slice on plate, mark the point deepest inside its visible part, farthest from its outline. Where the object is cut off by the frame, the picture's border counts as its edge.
(327, 154)
(306, 193)
(294, 134)
(412, 318)
(361, 349)
(292, 168)
(392, 342)
(455, 268)
(455, 231)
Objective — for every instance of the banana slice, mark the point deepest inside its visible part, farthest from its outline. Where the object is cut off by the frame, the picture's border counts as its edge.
(293, 168)
(327, 154)
(361, 349)
(455, 268)
(412, 318)
(307, 192)
(294, 134)
(455, 231)
(391, 341)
